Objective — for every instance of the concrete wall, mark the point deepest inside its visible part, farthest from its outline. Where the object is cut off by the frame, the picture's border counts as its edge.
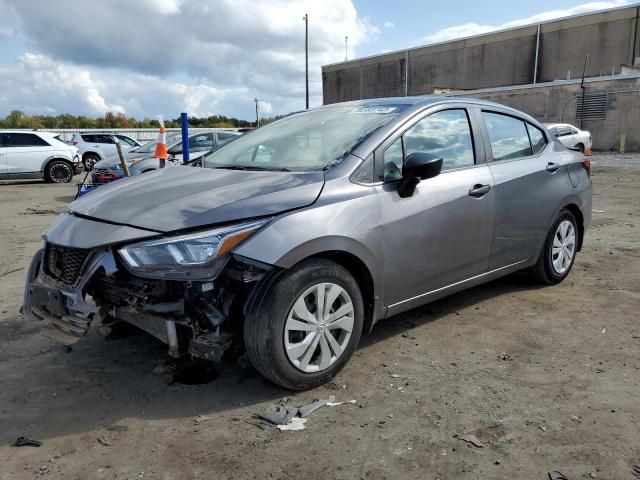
(610, 38)
(548, 102)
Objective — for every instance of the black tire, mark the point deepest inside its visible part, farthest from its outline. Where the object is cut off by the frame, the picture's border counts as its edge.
(58, 171)
(581, 147)
(89, 160)
(544, 271)
(264, 326)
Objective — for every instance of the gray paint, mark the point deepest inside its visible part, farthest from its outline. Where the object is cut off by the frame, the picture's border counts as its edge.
(186, 197)
(416, 249)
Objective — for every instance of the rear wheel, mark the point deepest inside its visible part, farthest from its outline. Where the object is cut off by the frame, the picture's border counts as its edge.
(559, 251)
(89, 160)
(581, 147)
(307, 326)
(58, 171)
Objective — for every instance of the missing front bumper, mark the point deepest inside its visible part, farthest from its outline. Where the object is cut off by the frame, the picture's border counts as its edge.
(64, 307)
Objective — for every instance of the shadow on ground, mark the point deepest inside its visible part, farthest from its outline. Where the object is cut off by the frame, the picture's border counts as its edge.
(105, 381)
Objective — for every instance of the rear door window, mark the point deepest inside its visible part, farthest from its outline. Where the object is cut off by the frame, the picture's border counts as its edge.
(508, 136)
(23, 140)
(563, 131)
(126, 140)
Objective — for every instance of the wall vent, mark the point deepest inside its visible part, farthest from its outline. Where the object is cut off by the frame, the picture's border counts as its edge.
(595, 106)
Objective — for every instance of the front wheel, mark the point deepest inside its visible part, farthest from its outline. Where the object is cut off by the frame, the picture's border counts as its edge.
(89, 161)
(559, 251)
(58, 171)
(307, 325)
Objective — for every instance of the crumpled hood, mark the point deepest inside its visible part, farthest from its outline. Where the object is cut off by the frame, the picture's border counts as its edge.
(186, 197)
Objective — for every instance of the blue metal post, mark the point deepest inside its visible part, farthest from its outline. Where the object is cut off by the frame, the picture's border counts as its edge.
(184, 124)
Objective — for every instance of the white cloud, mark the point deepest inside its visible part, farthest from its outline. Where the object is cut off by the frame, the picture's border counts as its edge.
(389, 25)
(253, 48)
(39, 84)
(470, 29)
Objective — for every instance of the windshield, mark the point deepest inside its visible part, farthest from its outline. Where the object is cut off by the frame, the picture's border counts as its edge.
(150, 147)
(312, 140)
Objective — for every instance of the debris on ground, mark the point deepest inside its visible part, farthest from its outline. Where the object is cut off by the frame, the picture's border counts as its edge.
(201, 418)
(308, 409)
(472, 439)
(278, 414)
(296, 423)
(556, 475)
(505, 357)
(636, 472)
(26, 442)
(287, 417)
(102, 440)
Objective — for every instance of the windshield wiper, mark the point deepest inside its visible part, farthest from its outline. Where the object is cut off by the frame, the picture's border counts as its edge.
(251, 167)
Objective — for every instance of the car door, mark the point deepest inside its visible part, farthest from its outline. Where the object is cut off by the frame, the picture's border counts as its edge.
(25, 152)
(526, 176)
(442, 234)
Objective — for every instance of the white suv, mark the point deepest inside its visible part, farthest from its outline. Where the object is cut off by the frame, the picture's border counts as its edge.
(98, 146)
(33, 154)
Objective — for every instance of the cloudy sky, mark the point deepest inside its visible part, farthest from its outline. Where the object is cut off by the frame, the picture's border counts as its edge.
(145, 57)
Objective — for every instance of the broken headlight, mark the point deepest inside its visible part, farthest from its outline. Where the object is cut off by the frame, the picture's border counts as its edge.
(197, 256)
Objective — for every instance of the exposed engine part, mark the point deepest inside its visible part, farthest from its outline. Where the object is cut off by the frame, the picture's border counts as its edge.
(210, 346)
(172, 339)
(201, 318)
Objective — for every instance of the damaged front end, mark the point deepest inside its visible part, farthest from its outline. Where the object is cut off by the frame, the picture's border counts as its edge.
(195, 308)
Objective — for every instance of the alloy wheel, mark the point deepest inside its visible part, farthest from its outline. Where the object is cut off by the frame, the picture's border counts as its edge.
(318, 327)
(564, 246)
(60, 173)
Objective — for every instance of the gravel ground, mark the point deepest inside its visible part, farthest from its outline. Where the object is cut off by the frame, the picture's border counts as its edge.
(545, 378)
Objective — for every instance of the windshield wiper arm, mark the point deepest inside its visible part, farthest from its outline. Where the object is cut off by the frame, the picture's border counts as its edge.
(252, 167)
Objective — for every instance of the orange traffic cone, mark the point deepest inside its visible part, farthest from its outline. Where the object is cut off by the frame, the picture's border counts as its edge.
(587, 152)
(161, 144)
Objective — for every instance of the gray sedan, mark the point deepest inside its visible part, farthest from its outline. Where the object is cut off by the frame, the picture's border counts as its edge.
(297, 238)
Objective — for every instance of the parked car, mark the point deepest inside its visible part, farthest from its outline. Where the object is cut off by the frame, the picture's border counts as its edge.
(300, 235)
(199, 144)
(35, 154)
(570, 136)
(98, 146)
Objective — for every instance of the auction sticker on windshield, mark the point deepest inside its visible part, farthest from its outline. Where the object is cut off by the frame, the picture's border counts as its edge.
(374, 110)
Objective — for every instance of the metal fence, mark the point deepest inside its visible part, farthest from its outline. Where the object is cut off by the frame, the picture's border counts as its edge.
(140, 134)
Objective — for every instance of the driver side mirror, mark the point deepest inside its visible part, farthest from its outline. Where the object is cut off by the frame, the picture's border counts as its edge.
(418, 166)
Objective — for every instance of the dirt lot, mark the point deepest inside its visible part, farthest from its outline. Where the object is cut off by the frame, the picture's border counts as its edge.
(546, 378)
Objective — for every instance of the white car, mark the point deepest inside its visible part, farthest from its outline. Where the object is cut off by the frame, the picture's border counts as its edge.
(34, 154)
(570, 136)
(98, 146)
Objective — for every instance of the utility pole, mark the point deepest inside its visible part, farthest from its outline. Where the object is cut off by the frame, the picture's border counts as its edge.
(346, 48)
(306, 55)
(584, 69)
(257, 117)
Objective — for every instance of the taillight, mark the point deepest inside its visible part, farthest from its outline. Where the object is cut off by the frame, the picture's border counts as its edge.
(586, 164)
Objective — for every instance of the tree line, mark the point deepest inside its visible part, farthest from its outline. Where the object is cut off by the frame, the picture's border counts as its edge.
(18, 119)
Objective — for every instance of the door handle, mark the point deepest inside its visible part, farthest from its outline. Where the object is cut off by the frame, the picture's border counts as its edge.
(479, 190)
(552, 167)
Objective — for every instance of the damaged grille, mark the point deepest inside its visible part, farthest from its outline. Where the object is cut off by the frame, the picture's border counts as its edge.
(64, 263)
